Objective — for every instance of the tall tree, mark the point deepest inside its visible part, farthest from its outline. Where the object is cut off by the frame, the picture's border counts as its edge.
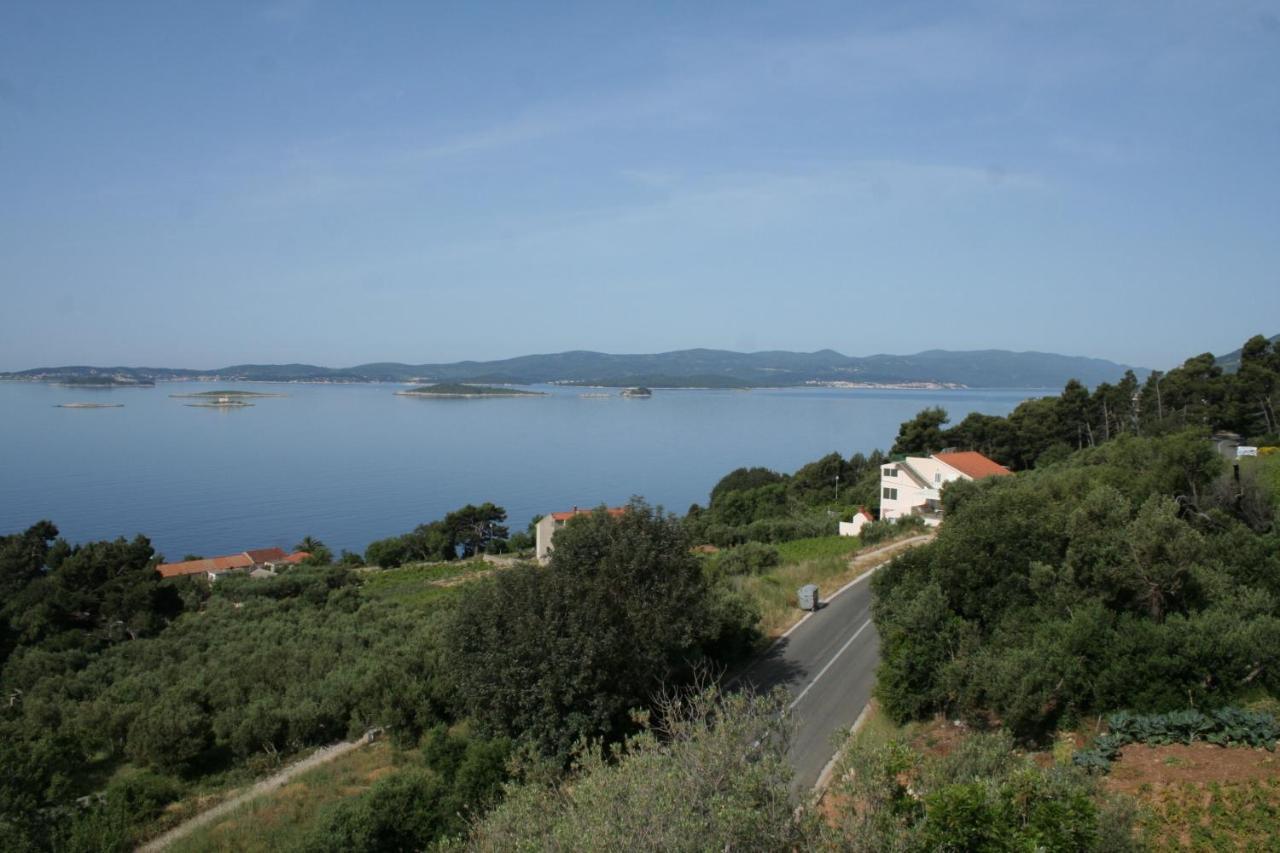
(923, 433)
(563, 652)
(474, 527)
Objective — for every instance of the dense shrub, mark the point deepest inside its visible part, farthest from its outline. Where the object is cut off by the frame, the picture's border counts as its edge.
(714, 776)
(554, 654)
(759, 505)
(417, 806)
(874, 532)
(979, 796)
(257, 670)
(1081, 588)
(750, 558)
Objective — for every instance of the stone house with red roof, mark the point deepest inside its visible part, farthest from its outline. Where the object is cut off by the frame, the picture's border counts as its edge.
(550, 523)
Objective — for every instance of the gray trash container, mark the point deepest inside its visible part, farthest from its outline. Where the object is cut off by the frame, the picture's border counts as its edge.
(808, 597)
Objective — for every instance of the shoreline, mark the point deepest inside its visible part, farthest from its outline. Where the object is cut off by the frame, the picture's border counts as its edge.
(507, 395)
(835, 384)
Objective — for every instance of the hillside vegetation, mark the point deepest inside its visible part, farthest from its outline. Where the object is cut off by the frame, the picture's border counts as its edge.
(693, 368)
(1126, 568)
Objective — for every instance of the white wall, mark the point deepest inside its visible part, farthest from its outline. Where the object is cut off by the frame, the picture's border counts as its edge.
(545, 530)
(935, 473)
(853, 528)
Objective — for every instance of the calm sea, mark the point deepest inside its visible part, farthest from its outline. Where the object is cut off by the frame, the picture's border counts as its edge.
(353, 463)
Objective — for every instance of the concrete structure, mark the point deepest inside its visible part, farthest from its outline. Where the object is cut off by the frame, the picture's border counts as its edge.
(551, 522)
(913, 485)
(260, 562)
(1227, 443)
(853, 528)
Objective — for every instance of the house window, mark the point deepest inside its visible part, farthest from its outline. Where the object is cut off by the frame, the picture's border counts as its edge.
(890, 494)
(891, 472)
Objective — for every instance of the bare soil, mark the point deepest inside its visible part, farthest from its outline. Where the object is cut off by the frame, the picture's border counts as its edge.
(1140, 765)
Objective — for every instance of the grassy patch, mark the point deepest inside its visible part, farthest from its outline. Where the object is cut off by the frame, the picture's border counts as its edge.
(273, 821)
(828, 561)
(1267, 469)
(821, 561)
(817, 548)
(418, 584)
(1216, 816)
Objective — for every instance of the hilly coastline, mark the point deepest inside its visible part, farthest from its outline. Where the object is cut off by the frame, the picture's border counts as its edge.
(705, 368)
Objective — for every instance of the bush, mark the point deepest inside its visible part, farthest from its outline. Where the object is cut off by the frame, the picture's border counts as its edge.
(1079, 588)
(553, 654)
(690, 783)
(405, 811)
(108, 823)
(875, 532)
(749, 558)
(980, 796)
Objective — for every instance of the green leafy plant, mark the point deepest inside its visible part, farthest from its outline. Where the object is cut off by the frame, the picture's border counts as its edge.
(1225, 727)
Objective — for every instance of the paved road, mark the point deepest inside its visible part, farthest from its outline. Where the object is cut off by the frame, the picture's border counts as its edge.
(828, 664)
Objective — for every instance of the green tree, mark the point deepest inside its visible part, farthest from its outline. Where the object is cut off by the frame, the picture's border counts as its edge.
(744, 479)
(320, 553)
(923, 433)
(475, 527)
(553, 654)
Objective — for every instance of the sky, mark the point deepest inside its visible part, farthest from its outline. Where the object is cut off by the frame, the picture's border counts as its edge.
(196, 184)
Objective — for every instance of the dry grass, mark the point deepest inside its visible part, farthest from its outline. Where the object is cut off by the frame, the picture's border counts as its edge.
(1212, 815)
(272, 821)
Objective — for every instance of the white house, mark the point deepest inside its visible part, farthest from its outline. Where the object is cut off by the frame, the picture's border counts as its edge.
(853, 528)
(913, 485)
(551, 522)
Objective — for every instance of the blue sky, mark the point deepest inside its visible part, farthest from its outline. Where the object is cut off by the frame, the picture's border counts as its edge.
(197, 184)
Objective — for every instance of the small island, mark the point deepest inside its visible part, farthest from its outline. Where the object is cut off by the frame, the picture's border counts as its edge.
(456, 390)
(637, 392)
(90, 405)
(220, 403)
(228, 395)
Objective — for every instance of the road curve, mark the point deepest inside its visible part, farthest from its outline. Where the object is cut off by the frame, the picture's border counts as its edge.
(827, 663)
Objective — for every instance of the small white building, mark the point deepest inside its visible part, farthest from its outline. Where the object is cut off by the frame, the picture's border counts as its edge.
(853, 528)
(913, 485)
(545, 529)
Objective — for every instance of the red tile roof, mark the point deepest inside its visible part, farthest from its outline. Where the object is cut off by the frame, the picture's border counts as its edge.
(243, 560)
(973, 464)
(615, 511)
(266, 555)
(212, 564)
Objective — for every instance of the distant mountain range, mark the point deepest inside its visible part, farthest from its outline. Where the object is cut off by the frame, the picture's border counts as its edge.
(679, 369)
(1231, 361)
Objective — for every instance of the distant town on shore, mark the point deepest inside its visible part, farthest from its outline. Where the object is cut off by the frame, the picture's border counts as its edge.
(692, 368)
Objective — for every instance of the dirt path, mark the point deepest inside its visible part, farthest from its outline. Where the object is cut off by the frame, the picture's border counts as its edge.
(867, 559)
(315, 759)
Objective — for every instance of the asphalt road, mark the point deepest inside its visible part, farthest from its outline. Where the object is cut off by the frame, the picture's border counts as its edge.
(828, 665)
